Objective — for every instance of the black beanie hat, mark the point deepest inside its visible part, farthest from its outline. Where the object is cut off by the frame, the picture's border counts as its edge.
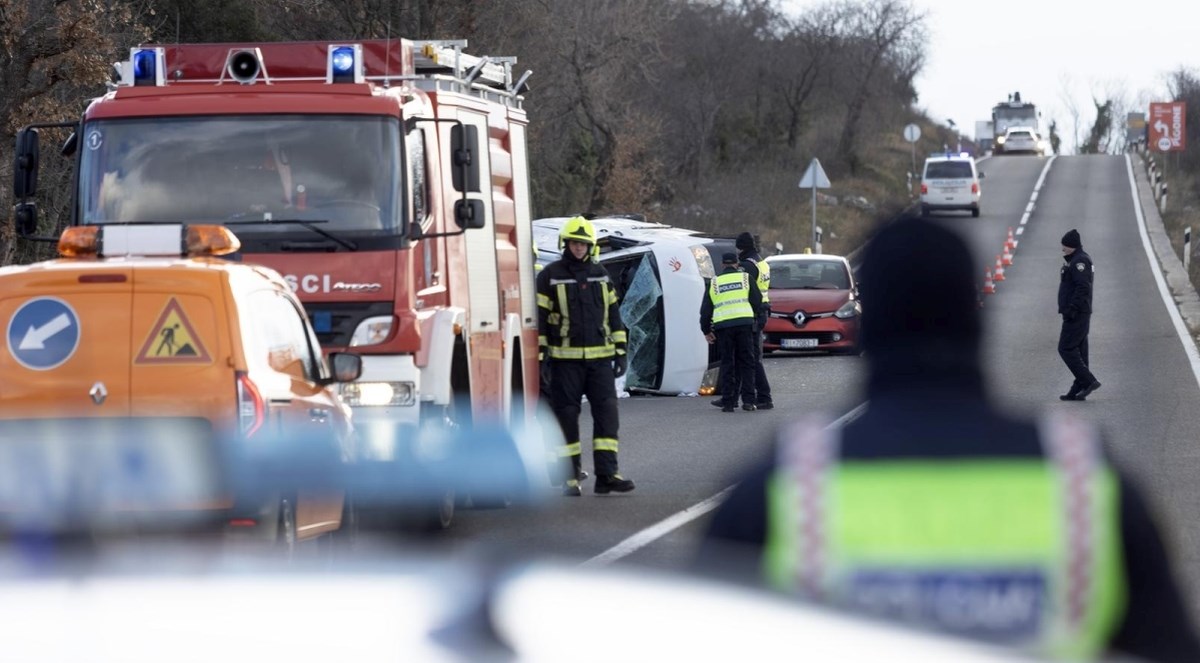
(920, 301)
(729, 259)
(745, 242)
(1072, 240)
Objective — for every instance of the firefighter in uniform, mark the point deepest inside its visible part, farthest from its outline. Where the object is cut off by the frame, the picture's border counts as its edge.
(581, 344)
(727, 318)
(1075, 306)
(935, 507)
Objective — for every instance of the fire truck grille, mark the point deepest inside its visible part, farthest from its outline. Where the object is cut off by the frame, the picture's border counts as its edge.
(335, 322)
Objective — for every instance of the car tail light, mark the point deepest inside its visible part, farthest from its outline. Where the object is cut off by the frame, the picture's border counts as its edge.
(974, 187)
(252, 411)
(924, 188)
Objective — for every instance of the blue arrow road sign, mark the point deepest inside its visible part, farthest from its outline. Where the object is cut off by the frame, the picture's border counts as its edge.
(43, 333)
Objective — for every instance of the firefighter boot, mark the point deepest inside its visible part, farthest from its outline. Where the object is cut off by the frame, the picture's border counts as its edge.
(607, 483)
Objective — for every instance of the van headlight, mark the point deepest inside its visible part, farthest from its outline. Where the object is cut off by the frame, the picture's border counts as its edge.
(704, 262)
(372, 331)
(378, 394)
(848, 310)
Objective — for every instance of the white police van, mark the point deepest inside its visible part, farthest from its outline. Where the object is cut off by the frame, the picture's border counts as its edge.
(950, 182)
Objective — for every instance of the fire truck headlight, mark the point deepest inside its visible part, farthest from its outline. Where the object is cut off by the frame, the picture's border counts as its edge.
(378, 394)
(372, 331)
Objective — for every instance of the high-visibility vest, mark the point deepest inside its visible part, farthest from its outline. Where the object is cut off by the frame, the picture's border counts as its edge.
(1024, 551)
(764, 279)
(730, 294)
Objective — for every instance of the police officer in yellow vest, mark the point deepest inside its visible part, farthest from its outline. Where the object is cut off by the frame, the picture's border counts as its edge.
(727, 319)
(935, 507)
(581, 344)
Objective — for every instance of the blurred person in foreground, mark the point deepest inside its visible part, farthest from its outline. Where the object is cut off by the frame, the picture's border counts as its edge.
(727, 318)
(935, 508)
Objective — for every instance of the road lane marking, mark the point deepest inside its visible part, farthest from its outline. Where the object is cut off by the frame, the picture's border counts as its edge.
(673, 522)
(1189, 344)
(1037, 188)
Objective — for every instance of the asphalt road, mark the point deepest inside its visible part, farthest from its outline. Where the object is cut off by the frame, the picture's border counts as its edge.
(682, 452)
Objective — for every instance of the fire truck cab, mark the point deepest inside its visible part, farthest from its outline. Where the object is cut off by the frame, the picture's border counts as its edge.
(386, 180)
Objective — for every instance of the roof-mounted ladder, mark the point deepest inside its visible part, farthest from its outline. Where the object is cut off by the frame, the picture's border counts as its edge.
(446, 56)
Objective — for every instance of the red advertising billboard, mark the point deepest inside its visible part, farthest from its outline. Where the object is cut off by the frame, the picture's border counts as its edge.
(1168, 126)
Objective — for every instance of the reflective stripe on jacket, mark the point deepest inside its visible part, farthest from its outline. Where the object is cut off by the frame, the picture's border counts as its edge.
(579, 313)
(1025, 551)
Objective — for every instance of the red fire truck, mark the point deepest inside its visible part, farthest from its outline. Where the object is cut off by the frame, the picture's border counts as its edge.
(387, 180)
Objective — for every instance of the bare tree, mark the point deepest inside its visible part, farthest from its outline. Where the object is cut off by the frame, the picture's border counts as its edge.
(886, 34)
(54, 54)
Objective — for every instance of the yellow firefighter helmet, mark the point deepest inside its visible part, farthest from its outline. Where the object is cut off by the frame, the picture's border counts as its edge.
(578, 229)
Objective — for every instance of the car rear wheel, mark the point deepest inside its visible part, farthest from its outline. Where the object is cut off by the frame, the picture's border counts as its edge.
(925, 211)
(975, 212)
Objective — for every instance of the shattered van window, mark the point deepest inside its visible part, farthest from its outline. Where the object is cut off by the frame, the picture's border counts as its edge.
(642, 315)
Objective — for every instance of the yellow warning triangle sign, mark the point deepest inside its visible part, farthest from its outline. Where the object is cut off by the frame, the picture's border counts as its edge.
(173, 340)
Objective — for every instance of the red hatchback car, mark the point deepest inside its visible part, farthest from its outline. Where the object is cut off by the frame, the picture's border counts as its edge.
(814, 304)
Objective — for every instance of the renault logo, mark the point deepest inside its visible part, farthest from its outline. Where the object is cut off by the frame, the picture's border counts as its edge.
(98, 393)
(799, 317)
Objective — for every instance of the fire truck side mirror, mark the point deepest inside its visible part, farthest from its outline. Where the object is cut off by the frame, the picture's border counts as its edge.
(25, 164)
(464, 149)
(469, 214)
(25, 219)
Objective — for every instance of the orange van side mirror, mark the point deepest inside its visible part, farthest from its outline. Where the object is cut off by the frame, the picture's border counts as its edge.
(345, 366)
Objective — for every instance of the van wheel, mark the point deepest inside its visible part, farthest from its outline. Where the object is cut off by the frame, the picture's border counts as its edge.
(924, 211)
(975, 212)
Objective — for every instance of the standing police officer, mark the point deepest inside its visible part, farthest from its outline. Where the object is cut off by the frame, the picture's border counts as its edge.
(936, 507)
(727, 316)
(1075, 306)
(581, 344)
(760, 280)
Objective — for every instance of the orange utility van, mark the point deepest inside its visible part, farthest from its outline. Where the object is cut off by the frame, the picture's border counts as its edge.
(135, 367)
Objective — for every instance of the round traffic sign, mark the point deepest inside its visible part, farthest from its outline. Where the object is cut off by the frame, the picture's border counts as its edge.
(43, 333)
(911, 133)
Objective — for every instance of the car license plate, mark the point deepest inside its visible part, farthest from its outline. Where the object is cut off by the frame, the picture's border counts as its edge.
(798, 343)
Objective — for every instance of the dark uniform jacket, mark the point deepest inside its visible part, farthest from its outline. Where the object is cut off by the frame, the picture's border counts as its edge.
(949, 419)
(1075, 285)
(748, 260)
(588, 289)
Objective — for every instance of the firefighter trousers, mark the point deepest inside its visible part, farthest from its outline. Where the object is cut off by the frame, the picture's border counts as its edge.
(570, 381)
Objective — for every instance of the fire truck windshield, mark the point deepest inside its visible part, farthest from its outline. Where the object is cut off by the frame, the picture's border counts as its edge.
(1003, 118)
(341, 170)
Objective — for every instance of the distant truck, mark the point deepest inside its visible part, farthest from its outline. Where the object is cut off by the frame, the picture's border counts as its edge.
(1012, 113)
(984, 137)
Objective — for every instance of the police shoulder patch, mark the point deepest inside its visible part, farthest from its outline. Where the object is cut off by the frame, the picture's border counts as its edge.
(1080, 266)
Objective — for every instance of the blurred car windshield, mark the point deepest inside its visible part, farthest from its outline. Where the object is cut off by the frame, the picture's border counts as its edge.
(809, 274)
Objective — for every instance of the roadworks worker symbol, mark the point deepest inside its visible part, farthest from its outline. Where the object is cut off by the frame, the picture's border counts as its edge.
(173, 340)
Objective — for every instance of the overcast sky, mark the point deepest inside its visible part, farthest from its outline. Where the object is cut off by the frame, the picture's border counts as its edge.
(1051, 51)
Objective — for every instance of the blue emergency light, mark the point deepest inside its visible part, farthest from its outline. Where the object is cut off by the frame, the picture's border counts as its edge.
(148, 66)
(345, 64)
